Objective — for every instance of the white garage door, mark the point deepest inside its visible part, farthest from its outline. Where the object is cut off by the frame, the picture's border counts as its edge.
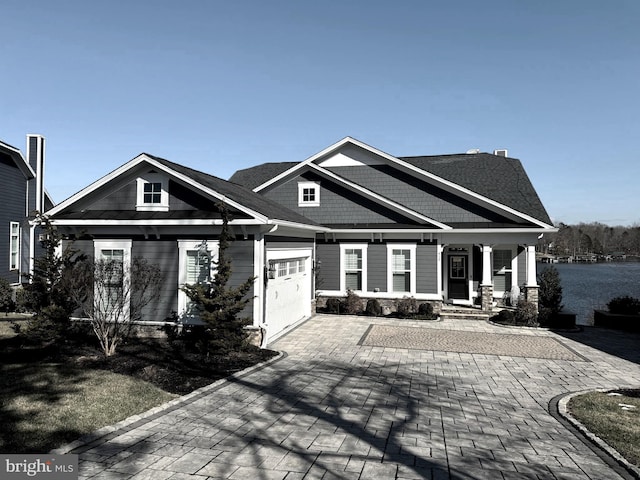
(288, 293)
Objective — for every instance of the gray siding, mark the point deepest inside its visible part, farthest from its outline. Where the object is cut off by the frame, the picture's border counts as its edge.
(337, 204)
(522, 266)
(427, 269)
(377, 267)
(286, 242)
(328, 254)
(14, 192)
(241, 255)
(164, 254)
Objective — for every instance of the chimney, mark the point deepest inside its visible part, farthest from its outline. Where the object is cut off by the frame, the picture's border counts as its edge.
(35, 157)
(501, 152)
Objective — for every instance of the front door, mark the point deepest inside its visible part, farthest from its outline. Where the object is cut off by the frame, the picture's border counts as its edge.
(458, 277)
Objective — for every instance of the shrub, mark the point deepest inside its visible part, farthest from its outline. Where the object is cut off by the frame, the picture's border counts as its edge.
(334, 305)
(526, 314)
(352, 303)
(6, 296)
(624, 305)
(550, 291)
(406, 307)
(505, 317)
(425, 309)
(373, 308)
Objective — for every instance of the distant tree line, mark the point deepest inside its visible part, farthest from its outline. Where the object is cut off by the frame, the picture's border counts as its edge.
(592, 238)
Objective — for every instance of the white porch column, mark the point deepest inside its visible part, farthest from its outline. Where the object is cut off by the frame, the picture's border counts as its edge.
(440, 288)
(486, 265)
(531, 266)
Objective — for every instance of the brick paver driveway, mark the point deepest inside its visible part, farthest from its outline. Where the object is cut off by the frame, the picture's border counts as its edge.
(350, 401)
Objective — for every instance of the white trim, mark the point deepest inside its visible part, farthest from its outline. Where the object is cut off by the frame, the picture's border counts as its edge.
(18, 238)
(513, 253)
(154, 163)
(412, 247)
(306, 185)
(353, 246)
(125, 246)
(445, 184)
(185, 246)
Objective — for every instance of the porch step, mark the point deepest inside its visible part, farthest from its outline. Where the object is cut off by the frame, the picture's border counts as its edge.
(449, 312)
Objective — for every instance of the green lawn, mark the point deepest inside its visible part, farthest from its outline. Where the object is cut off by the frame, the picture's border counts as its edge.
(605, 416)
(45, 405)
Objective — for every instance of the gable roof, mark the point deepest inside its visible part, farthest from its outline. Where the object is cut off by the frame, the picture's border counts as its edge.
(496, 181)
(235, 195)
(18, 159)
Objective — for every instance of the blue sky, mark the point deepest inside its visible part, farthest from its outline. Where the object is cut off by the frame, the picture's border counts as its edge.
(224, 85)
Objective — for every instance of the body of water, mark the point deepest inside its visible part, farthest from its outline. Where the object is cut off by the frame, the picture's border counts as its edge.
(589, 286)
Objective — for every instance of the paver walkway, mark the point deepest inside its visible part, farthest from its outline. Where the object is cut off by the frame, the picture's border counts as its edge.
(337, 408)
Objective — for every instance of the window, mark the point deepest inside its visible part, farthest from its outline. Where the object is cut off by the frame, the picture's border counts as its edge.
(502, 270)
(402, 267)
(353, 261)
(14, 242)
(152, 193)
(308, 194)
(458, 267)
(196, 263)
(112, 277)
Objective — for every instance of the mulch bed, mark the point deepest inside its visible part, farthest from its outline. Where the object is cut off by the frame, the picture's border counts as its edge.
(165, 364)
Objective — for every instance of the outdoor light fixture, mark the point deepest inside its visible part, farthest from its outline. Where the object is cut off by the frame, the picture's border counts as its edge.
(272, 270)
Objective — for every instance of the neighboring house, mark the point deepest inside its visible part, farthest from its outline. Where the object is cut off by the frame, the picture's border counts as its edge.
(168, 214)
(448, 228)
(453, 228)
(24, 195)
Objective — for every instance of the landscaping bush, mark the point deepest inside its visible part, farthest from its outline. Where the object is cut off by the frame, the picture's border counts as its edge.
(334, 305)
(624, 305)
(406, 307)
(373, 308)
(506, 317)
(526, 314)
(425, 309)
(352, 303)
(6, 296)
(550, 292)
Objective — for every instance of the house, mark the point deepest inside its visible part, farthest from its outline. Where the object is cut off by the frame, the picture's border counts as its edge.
(449, 228)
(170, 215)
(24, 195)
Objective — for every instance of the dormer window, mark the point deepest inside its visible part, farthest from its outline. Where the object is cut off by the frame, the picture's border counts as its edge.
(308, 194)
(152, 193)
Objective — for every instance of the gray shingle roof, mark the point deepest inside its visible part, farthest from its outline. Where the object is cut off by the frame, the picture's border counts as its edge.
(238, 193)
(254, 176)
(502, 179)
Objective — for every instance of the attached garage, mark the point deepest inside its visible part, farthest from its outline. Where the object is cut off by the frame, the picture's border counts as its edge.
(289, 291)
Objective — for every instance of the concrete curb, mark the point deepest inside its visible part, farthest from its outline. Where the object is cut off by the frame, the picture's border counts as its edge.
(563, 411)
(128, 423)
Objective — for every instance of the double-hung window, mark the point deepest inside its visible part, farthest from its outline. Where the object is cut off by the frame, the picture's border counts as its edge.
(353, 266)
(112, 278)
(196, 266)
(401, 263)
(14, 246)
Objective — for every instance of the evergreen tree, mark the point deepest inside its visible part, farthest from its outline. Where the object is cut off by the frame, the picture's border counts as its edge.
(549, 294)
(219, 304)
